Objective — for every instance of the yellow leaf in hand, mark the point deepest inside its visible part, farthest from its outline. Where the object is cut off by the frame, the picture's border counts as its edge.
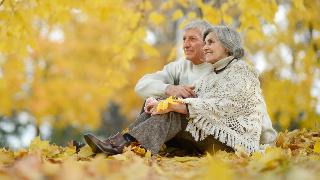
(164, 104)
(170, 100)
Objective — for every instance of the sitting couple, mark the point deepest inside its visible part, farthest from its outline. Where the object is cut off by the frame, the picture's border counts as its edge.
(224, 108)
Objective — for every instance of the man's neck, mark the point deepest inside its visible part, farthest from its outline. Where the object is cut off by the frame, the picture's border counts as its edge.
(197, 62)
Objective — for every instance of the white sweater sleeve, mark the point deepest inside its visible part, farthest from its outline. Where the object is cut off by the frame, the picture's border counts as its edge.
(154, 85)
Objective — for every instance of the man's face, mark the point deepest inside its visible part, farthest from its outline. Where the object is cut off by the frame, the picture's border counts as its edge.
(192, 45)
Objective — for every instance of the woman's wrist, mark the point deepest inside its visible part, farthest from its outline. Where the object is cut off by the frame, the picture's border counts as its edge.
(179, 108)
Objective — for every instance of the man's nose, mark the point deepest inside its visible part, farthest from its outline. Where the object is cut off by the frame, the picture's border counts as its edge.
(186, 44)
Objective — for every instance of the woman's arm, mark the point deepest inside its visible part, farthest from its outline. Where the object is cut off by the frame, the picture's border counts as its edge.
(179, 108)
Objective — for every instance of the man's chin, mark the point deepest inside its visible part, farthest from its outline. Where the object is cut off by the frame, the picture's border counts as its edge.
(189, 57)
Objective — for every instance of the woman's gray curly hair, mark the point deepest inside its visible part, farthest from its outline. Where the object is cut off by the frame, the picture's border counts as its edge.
(229, 38)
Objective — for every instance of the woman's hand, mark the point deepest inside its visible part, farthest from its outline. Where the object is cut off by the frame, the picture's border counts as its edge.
(179, 108)
(154, 110)
(151, 103)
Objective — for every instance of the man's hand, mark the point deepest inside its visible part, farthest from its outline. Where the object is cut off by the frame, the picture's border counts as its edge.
(151, 103)
(182, 91)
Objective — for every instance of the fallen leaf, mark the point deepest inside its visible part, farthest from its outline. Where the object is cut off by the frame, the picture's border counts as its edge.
(85, 151)
(6, 157)
(316, 147)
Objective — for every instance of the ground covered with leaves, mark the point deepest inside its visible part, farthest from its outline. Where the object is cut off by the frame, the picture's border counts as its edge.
(295, 156)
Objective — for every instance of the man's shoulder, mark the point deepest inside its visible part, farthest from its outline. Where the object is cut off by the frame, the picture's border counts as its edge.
(181, 62)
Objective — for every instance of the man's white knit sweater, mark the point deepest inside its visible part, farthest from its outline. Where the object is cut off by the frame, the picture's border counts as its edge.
(181, 72)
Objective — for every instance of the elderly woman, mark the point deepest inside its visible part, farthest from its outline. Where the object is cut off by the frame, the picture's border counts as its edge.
(229, 107)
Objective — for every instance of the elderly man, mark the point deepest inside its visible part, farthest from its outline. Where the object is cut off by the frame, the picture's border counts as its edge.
(175, 79)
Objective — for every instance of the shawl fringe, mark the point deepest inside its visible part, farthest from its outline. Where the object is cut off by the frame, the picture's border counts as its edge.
(200, 128)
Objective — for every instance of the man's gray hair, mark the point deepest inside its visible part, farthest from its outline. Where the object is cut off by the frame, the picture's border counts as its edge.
(229, 38)
(202, 25)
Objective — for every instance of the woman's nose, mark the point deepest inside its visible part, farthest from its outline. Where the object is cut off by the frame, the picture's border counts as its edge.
(205, 47)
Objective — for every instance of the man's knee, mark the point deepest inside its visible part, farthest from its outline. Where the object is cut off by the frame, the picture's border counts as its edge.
(142, 109)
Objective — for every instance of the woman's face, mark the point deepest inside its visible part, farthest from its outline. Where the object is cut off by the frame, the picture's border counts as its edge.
(213, 49)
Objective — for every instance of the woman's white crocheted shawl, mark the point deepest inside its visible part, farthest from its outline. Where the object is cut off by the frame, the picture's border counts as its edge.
(227, 107)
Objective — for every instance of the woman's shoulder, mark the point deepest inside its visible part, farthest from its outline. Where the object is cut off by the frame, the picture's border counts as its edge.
(242, 67)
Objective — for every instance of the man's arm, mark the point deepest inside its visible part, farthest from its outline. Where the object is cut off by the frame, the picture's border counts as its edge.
(154, 85)
(182, 91)
(161, 83)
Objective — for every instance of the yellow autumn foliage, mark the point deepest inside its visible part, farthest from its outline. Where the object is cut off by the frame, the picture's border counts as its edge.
(63, 60)
(294, 156)
(276, 37)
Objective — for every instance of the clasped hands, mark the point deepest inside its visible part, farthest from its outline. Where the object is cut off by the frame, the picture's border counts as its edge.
(151, 106)
(180, 91)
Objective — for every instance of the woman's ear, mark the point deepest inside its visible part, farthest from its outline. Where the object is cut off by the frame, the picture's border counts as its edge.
(228, 52)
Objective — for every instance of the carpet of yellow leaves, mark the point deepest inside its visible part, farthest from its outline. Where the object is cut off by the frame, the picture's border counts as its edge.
(295, 156)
